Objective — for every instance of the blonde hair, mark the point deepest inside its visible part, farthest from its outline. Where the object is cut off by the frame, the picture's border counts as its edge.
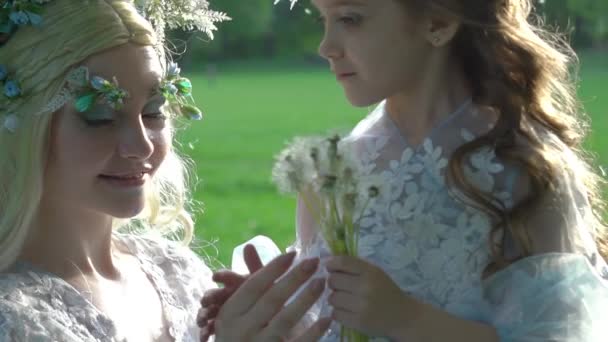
(527, 75)
(41, 58)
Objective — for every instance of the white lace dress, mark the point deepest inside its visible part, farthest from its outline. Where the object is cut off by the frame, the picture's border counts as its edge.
(39, 306)
(436, 249)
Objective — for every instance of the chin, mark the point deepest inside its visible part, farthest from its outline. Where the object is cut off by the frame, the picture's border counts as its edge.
(359, 100)
(126, 211)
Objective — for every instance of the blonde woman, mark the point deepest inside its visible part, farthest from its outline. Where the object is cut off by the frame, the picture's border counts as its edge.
(93, 224)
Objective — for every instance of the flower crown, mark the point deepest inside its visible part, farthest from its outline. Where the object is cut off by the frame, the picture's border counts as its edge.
(86, 90)
(16, 13)
(163, 14)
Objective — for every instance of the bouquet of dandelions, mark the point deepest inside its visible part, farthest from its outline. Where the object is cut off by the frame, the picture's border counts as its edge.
(328, 168)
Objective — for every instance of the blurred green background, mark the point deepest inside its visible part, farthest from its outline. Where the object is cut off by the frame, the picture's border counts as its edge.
(260, 85)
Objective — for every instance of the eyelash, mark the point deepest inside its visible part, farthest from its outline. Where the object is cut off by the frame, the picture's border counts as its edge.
(155, 116)
(107, 122)
(347, 20)
(350, 20)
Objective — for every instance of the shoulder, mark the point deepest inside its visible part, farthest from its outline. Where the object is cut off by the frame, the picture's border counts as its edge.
(22, 285)
(31, 306)
(162, 251)
(177, 261)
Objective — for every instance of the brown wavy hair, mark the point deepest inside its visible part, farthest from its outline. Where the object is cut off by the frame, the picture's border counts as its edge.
(527, 75)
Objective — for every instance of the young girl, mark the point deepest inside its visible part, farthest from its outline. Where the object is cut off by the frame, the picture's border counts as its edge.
(490, 224)
(91, 187)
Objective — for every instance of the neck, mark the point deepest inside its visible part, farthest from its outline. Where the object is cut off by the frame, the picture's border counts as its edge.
(441, 90)
(70, 242)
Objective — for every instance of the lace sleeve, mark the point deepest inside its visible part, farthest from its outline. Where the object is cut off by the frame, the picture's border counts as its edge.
(563, 221)
(549, 297)
(8, 326)
(560, 293)
(309, 244)
(21, 323)
(306, 224)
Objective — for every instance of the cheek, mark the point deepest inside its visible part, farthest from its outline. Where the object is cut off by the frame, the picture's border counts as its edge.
(161, 140)
(73, 147)
(404, 63)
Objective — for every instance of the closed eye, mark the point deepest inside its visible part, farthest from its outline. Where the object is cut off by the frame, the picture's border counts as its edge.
(350, 20)
(155, 116)
(98, 116)
(98, 122)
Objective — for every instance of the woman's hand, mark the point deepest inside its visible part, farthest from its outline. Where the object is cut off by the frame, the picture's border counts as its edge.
(254, 310)
(366, 299)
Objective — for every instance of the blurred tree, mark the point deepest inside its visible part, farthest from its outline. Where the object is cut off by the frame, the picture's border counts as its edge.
(251, 21)
(260, 29)
(586, 19)
(296, 31)
(242, 37)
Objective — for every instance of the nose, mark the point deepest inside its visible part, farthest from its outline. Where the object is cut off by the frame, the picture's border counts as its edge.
(135, 142)
(329, 47)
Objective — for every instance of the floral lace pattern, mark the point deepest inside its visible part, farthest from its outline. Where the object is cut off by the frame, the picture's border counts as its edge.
(39, 306)
(431, 244)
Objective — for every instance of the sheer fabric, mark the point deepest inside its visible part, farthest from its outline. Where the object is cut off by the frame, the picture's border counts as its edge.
(435, 248)
(40, 306)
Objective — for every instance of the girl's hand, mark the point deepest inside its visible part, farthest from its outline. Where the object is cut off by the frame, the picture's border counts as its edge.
(213, 299)
(366, 299)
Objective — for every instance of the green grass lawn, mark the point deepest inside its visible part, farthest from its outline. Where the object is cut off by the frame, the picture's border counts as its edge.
(251, 113)
(594, 95)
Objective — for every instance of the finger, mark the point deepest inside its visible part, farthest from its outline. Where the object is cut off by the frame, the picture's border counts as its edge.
(348, 319)
(211, 326)
(345, 282)
(346, 302)
(284, 321)
(207, 331)
(252, 259)
(201, 320)
(345, 264)
(315, 331)
(217, 296)
(257, 284)
(273, 300)
(205, 314)
(204, 335)
(228, 278)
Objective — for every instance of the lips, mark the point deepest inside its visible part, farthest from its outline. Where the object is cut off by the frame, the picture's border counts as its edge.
(137, 175)
(126, 180)
(344, 75)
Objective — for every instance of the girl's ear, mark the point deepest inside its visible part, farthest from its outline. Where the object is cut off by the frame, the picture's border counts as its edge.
(440, 29)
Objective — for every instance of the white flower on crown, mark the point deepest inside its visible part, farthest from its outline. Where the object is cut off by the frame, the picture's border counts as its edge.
(184, 14)
(293, 2)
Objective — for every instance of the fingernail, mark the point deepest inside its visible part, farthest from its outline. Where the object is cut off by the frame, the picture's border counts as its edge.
(310, 265)
(288, 258)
